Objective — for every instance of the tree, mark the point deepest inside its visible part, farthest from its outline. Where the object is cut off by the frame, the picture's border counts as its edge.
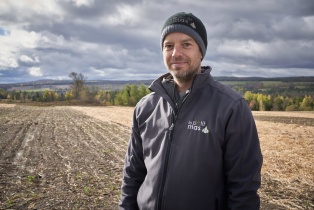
(105, 97)
(127, 94)
(119, 98)
(109, 99)
(88, 95)
(23, 96)
(292, 107)
(2, 93)
(287, 102)
(16, 95)
(78, 83)
(84, 95)
(69, 95)
(143, 91)
(307, 104)
(100, 96)
(9, 96)
(61, 97)
(278, 103)
(130, 95)
(251, 99)
(50, 96)
(134, 95)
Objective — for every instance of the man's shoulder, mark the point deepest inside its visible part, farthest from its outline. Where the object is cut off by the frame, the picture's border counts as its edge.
(224, 90)
(149, 100)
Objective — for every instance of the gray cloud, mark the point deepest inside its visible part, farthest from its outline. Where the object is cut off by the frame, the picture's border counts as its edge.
(119, 39)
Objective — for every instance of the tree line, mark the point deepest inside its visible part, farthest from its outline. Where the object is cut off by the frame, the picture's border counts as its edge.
(128, 96)
(81, 93)
(263, 102)
(132, 93)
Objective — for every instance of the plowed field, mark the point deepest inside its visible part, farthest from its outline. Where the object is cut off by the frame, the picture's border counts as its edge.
(59, 158)
(72, 157)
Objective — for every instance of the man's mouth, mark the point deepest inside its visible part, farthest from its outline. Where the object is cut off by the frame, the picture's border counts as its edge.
(177, 63)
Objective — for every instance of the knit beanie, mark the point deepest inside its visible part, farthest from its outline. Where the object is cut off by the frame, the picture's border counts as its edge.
(189, 24)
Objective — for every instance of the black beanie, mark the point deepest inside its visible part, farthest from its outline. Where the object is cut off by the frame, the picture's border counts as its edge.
(189, 24)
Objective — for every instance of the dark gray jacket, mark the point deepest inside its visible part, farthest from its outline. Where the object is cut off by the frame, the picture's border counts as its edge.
(202, 154)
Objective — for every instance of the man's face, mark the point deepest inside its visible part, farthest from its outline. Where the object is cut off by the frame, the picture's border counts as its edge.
(182, 56)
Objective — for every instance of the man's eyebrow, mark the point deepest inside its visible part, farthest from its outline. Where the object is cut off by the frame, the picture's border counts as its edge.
(184, 40)
(167, 41)
(187, 40)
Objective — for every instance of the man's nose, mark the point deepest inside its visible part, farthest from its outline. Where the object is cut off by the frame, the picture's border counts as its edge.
(176, 52)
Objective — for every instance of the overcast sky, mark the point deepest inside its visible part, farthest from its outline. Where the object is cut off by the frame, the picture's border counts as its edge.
(119, 39)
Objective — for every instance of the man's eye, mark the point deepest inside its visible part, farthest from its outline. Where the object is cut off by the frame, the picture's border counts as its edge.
(168, 46)
(186, 44)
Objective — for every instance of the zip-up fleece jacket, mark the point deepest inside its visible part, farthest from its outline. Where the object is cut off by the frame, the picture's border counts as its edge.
(201, 154)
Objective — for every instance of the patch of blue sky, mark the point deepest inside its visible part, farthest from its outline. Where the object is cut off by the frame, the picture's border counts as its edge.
(3, 32)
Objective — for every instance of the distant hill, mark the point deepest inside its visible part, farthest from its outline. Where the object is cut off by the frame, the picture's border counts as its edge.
(63, 85)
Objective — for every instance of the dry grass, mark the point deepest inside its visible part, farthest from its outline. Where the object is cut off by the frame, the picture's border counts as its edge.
(288, 169)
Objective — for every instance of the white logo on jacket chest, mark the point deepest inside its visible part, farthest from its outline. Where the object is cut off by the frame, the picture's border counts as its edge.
(198, 126)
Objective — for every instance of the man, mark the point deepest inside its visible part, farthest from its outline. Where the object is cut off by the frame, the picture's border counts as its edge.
(194, 143)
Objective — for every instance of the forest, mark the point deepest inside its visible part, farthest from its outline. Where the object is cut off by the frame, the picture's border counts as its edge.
(269, 94)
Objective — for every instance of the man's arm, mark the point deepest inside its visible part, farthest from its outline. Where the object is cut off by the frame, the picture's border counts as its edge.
(134, 171)
(242, 159)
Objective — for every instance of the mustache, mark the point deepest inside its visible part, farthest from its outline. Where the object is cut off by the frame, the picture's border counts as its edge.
(178, 59)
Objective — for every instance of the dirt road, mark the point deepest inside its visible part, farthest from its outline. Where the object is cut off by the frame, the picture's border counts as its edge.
(72, 157)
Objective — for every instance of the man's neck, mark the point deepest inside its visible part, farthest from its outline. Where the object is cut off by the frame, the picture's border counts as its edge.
(183, 86)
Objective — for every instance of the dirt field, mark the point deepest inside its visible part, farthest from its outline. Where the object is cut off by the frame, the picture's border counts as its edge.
(72, 157)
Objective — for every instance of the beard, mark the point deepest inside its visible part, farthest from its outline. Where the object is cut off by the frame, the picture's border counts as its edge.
(183, 76)
(185, 73)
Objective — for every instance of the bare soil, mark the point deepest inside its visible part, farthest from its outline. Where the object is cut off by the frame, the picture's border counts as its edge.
(59, 158)
(72, 157)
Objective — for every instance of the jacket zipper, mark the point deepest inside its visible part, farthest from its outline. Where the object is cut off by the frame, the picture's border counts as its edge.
(165, 168)
(166, 163)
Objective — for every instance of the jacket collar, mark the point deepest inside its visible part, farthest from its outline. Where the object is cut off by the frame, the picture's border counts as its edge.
(202, 78)
(199, 81)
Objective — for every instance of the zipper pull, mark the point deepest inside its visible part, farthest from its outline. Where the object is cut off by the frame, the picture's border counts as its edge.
(187, 93)
(171, 131)
(171, 127)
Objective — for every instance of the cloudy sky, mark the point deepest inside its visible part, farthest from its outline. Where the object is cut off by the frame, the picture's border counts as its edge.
(119, 39)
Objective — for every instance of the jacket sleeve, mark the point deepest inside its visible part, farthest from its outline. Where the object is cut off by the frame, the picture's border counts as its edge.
(242, 159)
(134, 171)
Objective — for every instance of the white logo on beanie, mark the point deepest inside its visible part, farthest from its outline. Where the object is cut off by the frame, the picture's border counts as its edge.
(193, 25)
